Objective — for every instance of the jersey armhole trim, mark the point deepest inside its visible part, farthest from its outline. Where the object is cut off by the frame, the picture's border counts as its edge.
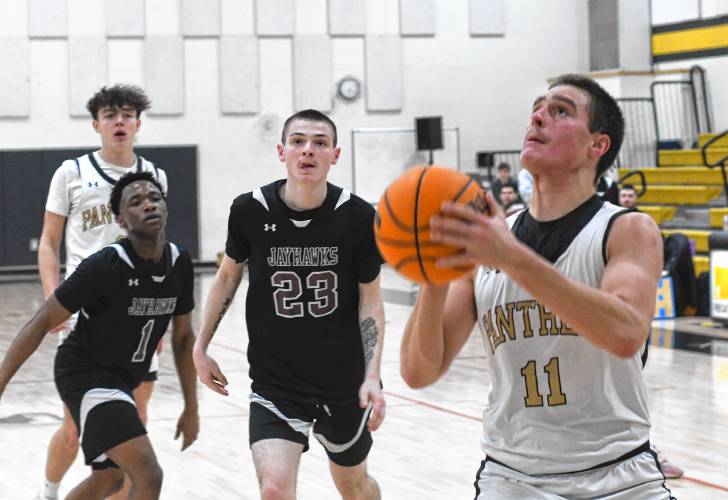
(608, 230)
(173, 253)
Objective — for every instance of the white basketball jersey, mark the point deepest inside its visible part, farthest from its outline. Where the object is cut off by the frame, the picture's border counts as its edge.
(90, 224)
(556, 403)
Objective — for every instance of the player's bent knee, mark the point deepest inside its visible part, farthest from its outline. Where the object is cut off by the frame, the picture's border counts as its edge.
(147, 474)
(69, 435)
(271, 490)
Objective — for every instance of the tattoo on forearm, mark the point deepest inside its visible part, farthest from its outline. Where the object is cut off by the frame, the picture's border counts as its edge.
(369, 335)
(220, 315)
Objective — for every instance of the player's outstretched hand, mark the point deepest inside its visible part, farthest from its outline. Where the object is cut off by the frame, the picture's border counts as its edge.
(370, 393)
(188, 426)
(209, 372)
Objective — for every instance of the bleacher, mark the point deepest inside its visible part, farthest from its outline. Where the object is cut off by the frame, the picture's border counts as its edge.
(685, 196)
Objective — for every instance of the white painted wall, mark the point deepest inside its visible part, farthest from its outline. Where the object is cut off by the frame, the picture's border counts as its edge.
(483, 85)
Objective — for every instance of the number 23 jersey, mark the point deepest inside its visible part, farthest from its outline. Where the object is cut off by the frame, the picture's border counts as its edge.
(302, 306)
(124, 304)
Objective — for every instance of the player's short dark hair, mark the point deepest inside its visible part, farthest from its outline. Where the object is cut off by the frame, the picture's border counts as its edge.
(310, 115)
(605, 116)
(118, 96)
(503, 166)
(629, 187)
(510, 184)
(115, 198)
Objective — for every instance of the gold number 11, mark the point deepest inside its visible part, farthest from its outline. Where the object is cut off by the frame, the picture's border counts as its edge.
(533, 396)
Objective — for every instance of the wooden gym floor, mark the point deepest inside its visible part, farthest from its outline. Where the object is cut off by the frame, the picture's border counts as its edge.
(427, 448)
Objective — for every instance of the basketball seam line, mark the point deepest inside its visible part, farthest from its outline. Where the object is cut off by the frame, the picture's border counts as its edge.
(416, 221)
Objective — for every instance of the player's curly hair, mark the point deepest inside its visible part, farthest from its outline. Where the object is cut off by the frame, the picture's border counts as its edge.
(605, 116)
(118, 96)
(115, 198)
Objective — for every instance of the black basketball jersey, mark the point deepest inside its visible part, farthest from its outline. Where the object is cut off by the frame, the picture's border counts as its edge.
(302, 307)
(124, 304)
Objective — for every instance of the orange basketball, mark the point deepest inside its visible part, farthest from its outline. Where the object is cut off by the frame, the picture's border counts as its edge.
(402, 223)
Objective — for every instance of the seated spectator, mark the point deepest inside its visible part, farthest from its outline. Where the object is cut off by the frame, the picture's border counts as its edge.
(510, 200)
(504, 177)
(628, 196)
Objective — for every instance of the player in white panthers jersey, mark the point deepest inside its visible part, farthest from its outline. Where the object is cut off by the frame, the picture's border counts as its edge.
(78, 200)
(79, 191)
(547, 372)
(564, 295)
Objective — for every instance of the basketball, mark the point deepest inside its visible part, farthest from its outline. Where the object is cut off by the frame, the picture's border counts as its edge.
(402, 222)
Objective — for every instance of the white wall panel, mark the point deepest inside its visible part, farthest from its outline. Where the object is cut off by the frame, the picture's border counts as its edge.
(200, 17)
(126, 60)
(86, 18)
(14, 18)
(162, 17)
(274, 17)
(239, 74)
(164, 74)
(87, 71)
(125, 19)
(48, 18)
(14, 77)
(347, 17)
(237, 17)
(417, 17)
(384, 73)
(312, 72)
(276, 85)
(311, 17)
(487, 17)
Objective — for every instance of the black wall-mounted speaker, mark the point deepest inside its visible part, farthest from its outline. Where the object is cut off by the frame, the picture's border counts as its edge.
(429, 133)
(484, 159)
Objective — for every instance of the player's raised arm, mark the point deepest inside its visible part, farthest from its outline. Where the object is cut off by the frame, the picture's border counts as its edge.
(183, 339)
(371, 325)
(27, 341)
(439, 325)
(221, 295)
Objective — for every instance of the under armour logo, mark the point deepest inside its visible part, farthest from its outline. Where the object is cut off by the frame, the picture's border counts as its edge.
(134, 282)
(269, 227)
(93, 184)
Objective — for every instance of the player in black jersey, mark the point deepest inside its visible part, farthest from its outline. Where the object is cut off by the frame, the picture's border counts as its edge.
(314, 315)
(137, 284)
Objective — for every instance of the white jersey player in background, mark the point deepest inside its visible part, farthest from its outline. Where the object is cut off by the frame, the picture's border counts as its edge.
(78, 199)
(564, 295)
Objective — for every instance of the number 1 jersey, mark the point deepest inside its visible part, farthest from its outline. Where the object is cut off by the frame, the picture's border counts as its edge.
(124, 304)
(302, 306)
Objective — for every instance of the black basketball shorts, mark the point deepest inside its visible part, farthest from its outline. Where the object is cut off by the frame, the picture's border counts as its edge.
(105, 418)
(340, 428)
